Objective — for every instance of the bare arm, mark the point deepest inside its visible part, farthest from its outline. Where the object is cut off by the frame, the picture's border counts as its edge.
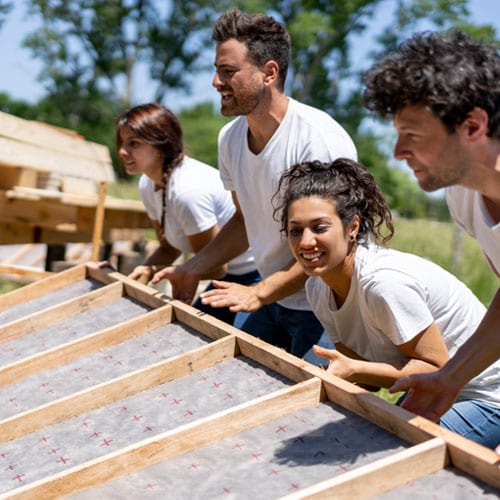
(250, 298)
(426, 353)
(430, 395)
(230, 242)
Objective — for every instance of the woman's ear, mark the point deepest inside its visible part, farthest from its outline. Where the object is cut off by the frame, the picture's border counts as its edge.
(354, 227)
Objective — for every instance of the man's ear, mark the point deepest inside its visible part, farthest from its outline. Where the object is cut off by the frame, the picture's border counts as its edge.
(271, 69)
(476, 124)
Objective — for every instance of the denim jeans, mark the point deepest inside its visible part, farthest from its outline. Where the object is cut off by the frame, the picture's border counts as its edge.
(475, 420)
(296, 331)
(223, 313)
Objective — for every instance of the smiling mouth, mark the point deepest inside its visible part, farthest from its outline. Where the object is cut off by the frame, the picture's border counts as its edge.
(311, 256)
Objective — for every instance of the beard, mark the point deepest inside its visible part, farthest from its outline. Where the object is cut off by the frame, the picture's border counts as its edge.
(243, 104)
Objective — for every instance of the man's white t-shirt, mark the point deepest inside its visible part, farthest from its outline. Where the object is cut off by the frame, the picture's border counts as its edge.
(305, 134)
(469, 212)
(195, 202)
(392, 298)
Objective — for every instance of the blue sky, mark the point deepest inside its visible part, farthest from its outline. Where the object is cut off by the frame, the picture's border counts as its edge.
(18, 71)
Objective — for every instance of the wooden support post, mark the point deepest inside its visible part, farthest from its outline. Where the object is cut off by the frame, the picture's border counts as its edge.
(98, 221)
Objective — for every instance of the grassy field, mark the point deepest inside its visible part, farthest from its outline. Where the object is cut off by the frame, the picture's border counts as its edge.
(436, 241)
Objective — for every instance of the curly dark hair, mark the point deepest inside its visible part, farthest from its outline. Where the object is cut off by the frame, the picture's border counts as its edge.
(265, 38)
(345, 182)
(451, 74)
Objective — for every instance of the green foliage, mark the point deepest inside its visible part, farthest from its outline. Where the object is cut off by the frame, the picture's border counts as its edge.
(201, 126)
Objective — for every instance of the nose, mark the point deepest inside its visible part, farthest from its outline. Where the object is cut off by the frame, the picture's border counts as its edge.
(308, 239)
(216, 80)
(401, 151)
(122, 152)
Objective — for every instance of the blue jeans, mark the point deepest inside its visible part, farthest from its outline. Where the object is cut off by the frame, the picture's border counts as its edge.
(475, 420)
(223, 313)
(296, 331)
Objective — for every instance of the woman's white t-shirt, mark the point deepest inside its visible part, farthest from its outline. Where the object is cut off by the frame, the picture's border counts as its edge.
(195, 202)
(393, 297)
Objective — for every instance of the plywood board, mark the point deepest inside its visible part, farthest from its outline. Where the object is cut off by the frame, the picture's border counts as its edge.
(113, 390)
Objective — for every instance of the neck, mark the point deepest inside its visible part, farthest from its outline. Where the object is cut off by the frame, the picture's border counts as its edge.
(339, 279)
(485, 178)
(265, 120)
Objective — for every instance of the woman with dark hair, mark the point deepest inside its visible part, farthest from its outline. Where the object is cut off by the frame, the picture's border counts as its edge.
(184, 198)
(388, 313)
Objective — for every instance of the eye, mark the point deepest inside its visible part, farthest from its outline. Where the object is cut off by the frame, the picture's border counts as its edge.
(294, 232)
(320, 228)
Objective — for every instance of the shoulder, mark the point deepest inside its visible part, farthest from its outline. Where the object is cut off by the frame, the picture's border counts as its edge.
(321, 129)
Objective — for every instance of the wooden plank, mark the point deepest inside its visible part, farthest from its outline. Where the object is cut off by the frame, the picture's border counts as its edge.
(91, 343)
(28, 155)
(274, 357)
(25, 271)
(173, 443)
(42, 319)
(465, 454)
(47, 212)
(98, 222)
(48, 136)
(474, 459)
(17, 176)
(392, 418)
(121, 387)
(39, 288)
(383, 475)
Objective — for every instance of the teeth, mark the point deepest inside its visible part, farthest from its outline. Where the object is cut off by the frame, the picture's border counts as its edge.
(311, 256)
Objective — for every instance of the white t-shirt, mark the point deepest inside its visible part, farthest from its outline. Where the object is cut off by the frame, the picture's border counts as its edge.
(305, 134)
(195, 202)
(469, 212)
(393, 297)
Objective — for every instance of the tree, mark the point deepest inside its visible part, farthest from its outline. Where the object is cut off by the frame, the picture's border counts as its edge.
(100, 44)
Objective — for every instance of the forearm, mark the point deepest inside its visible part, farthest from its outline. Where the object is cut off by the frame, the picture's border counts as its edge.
(385, 374)
(230, 242)
(281, 284)
(480, 351)
(162, 257)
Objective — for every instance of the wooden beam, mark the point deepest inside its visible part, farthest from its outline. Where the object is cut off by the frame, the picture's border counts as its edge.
(98, 222)
(24, 271)
(118, 388)
(383, 475)
(50, 137)
(173, 443)
(36, 321)
(39, 288)
(70, 351)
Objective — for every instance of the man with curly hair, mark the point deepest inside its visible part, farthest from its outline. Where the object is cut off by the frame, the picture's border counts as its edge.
(443, 92)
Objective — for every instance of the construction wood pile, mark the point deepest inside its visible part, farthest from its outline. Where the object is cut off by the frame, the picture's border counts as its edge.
(112, 390)
(53, 189)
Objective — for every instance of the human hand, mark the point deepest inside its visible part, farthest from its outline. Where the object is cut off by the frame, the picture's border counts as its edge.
(184, 282)
(429, 394)
(142, 274)
(338, 364)
(239, 298)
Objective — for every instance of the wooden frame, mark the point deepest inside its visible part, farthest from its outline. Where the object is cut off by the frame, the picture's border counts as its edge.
(408, 447)
(53, 189)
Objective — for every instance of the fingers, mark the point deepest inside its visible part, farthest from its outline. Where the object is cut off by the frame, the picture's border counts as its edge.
(323, 353)
(402, 384)
(221, 284)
